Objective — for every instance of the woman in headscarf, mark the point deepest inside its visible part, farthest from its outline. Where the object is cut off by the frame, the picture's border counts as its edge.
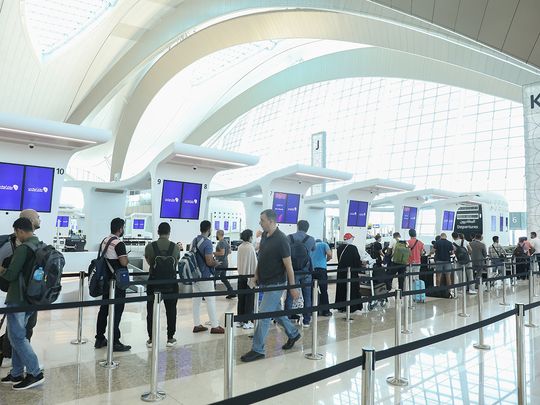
(348, 256)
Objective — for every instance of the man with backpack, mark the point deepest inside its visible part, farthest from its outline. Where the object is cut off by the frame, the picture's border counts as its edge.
(162, 256)
(203, 250)
(8, 243)
(302, 246)
(400, 259)
(223, 250)
(443, 253)
(497, 255)
(116, 257)
(478, 255)
(19, 272)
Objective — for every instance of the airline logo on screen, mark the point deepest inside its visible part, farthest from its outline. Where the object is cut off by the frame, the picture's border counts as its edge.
(38, 189)
(14, 187)
(190, 201)
(171, 200)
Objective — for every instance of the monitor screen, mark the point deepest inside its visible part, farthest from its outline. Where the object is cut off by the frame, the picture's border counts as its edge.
(170, 199)
(11, 186)
(191, 201)
(408, 220)
(225, 225)
(501, 224)
(216, 225)
(38, 187)
(138, 224)
(234, 226)
(357, 215)
(62, 221)
(448, 220)
(286, 207)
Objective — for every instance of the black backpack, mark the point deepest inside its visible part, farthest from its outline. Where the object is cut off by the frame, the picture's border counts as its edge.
(44, 283)
(164, 269)
(462, 254)
(301, 260)
(97, 272)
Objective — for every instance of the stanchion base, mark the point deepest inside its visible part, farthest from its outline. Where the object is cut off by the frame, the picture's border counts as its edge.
(481, 347)
(504, 304)
(531, 325)
(397, 382)
(406, 331)
(79, 342)
(464, 315)
(153, 397)
(311, 356)
(106, 364)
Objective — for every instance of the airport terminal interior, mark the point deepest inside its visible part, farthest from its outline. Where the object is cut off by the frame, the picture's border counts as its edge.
(397, 141)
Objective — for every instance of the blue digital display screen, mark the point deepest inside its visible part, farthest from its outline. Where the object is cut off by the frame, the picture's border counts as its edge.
(138, 224)
(62, 221)
(286, 207)
(408, 221)
(357, 215)
(448, 220)
(180, 200)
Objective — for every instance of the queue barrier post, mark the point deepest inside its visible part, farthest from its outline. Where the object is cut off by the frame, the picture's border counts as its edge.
(314, 327)
(368, 376)
(481, 345)
(520, 354)
(396, 380)
(80, 340)
(531, 323)
(348, 307)
(406, 299)
(110, 363)
(229, 356)
(463, 312)
(410, 284)
(503, 302)
(534, 266)
(155, 395)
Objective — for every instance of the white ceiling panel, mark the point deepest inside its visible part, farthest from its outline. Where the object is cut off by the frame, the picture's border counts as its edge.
(445, 13)
(497, 19)
(524, 30)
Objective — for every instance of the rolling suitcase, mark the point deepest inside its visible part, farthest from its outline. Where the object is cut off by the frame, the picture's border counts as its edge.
(419, 285)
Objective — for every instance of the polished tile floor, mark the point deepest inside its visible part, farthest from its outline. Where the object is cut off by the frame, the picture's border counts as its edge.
(451, 372)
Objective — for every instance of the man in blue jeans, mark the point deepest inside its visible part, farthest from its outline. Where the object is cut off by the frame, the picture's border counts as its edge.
(273, 269)
(23, 355)
(302, 247)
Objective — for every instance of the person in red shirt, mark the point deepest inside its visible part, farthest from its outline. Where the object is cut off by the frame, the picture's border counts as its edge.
(416, 246)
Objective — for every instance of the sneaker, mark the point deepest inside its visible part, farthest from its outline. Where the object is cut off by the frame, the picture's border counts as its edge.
(248, 325)
(119, 347)
(290, 342)
(230, 297)
(100, 342)
(239, 324)
(9, 379)
(171, 342)
(29, 382)
(251, 356)
(149, 343)
(200, 328)
(217, 331)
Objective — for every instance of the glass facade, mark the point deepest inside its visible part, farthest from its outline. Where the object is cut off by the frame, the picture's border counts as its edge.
(427, 134)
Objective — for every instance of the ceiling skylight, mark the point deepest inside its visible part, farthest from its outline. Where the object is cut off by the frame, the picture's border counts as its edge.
(53, 23)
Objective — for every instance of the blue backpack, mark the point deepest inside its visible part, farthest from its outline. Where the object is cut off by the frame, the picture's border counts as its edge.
(97, 271)
(188, 268)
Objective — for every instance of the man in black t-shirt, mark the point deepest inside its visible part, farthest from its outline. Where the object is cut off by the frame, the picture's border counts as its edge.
(117, 258)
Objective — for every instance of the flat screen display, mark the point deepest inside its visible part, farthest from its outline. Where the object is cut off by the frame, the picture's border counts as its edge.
(501, 224)
(234, 226)
(448, 220)
(23, 187)
(357, 215)
(180, 200)
(408, 220)
(11, 186)
(138, 224)
(286, 207)
(225, 225)
(62, 221)
(493, 223)
(216, 225)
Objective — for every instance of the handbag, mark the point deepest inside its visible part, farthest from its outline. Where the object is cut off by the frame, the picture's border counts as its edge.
(121, 276)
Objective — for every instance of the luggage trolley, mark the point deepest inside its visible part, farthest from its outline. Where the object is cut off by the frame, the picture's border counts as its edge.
(371, 288)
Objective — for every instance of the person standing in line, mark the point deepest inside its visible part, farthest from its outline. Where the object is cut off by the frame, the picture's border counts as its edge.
(320, 257)
(202, 247)
(162, 256)
(535, 248)
(247, 264)
(302, 246)
(417, 249)
(497, 255)
(478, 256)
(377, 250)
(348, 256)
(443, 252)
(19, 271)
(223, 250)
(116, 257)
(273, 270)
